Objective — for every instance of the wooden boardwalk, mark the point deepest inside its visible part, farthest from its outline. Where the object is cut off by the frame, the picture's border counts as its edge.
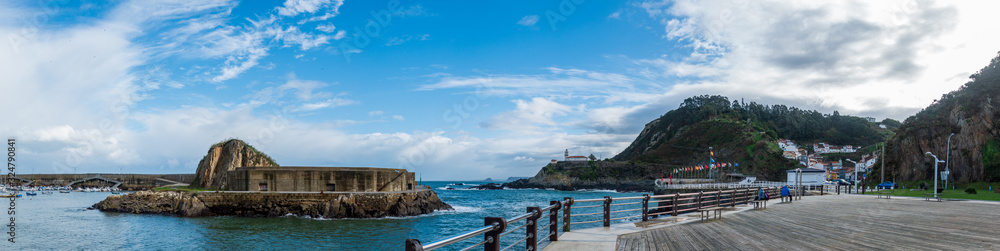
(836, 222)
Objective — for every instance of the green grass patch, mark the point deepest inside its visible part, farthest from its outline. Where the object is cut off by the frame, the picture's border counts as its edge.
(958, 193)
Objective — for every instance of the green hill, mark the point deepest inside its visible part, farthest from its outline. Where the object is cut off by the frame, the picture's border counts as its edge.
(745, 133)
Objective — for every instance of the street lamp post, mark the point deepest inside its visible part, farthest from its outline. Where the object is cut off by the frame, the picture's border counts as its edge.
(883, 163)
(855, 174)
(936, 161)
(947, 160)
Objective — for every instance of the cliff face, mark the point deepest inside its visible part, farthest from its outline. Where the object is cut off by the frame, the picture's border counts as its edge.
(227, 156)
(328, 205)
(972, 114)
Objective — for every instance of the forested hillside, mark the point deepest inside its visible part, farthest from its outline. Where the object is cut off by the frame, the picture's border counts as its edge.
(776, 121)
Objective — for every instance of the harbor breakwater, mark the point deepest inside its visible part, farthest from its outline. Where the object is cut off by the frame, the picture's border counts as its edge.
(269, 204)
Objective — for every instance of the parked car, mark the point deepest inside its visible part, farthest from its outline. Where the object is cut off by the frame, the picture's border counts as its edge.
(844, 182)
(887, 185)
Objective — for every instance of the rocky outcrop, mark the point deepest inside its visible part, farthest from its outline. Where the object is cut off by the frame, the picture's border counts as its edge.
(316, 205)
(227, 156)
(572, 183)
(972, 113)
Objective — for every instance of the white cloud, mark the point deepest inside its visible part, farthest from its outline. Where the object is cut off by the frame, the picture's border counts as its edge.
(329, 103)
(615, 15)
(400, 40)
(298, 95)
(175, 29)
(113, 66)
(68, 92)
(563, 83)
(340, 34)
(375, 113)
(328, 28)
(295, 7)
(523, 158)
(528, 20)
(415, 10)
(883, 59)
(529, 115)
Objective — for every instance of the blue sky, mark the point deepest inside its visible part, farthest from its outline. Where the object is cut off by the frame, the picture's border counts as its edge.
(456, 90)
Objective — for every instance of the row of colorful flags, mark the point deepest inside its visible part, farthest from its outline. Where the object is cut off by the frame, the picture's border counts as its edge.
(705, 167)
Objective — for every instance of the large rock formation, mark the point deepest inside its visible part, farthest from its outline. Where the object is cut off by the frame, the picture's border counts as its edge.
(316, 205)
(227, 156)
(972, 113)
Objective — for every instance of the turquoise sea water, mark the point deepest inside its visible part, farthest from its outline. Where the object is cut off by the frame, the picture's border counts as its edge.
(62, 222)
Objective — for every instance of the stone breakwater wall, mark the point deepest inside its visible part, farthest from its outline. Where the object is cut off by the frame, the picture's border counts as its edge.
(264, 204)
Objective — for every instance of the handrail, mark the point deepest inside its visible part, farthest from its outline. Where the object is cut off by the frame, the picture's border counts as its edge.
(628, 198)
(519, 218)
(672, 204)
(458, 238)
(663, 196)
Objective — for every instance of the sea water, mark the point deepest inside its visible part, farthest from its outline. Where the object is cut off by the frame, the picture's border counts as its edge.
(61, 221)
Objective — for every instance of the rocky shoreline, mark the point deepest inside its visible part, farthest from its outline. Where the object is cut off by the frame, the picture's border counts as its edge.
(573, 184)
(315, 205)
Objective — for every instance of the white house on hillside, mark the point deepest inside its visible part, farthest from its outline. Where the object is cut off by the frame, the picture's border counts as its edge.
(575, 158)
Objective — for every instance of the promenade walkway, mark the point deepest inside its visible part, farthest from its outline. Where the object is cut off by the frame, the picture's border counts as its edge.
(833, 222)
(606, 238)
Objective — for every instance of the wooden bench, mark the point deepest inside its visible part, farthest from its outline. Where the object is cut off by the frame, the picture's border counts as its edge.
(757, 204)
(705, 212)
(886, 194)
(928, 196)
(786, 198)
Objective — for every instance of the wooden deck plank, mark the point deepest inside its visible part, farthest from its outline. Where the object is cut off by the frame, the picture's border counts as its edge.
(841, 222)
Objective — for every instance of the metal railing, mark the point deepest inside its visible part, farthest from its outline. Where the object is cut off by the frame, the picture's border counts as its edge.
(607, 209)
(736, 185)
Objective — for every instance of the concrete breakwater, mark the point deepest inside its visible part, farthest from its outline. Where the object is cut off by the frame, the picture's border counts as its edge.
(270, 204)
